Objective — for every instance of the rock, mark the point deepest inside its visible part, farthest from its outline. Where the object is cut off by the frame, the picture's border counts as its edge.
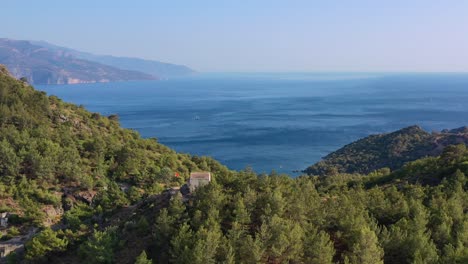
(4, 71)
(460, 130)
(63, 118)
(184, 190)
(85, 196)
(54, 214)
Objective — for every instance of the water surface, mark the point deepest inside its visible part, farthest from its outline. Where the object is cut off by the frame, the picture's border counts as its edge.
(280, 121)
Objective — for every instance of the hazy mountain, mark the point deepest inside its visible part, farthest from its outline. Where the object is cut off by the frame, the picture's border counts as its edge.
(44, 65)
(155, 68)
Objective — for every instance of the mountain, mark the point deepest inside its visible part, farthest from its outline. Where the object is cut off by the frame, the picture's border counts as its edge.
(390, 150)
(41, 65)
(75, 187)
(152, 67)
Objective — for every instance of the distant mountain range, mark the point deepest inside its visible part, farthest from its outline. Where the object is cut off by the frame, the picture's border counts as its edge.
(45, 63)
(155, 68)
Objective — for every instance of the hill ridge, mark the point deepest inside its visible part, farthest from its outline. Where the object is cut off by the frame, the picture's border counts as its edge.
(390, 150)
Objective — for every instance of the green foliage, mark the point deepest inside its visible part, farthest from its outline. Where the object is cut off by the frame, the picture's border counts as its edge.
(47, 146)
(100, 247)
(342, 218)
(318, 248)
(44, 243)
(142, 226)
(79, 214)
(181, 243)
(390, 150)
(366, 250)
(13, 231)
(143, 259)
(53, 153)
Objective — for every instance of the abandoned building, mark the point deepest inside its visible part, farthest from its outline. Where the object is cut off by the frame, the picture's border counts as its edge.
(4, 220)
(198, 179)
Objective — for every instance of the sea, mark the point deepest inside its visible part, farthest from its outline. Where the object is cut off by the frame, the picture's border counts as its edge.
(281, 122)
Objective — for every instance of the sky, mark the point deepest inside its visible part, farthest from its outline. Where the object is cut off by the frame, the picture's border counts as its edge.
(255, 35)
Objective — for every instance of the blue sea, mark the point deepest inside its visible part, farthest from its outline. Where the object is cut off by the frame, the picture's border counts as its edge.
(275, 121)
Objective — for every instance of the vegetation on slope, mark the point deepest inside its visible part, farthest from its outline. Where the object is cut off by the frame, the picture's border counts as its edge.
(390, 150)
(57, 155)
(243, 217)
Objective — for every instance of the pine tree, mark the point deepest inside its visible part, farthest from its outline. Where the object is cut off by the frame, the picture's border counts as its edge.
(282, 240)
(366, 250)
(143, 259)
(43, 243)
(206, 245)
(408, 241)
(318, 248)
(181, 245)
(251, 251)
(241, 215)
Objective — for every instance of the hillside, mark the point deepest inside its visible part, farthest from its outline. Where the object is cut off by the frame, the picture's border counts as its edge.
(248, 218)
(77, 188)
(390, 150)
(55, 156)
(152, 67)
(41, 65)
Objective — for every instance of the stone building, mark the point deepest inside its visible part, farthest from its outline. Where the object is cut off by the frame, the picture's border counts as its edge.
(198, 179)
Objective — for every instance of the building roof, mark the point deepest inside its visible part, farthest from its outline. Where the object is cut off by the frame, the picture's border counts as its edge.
(200, 175)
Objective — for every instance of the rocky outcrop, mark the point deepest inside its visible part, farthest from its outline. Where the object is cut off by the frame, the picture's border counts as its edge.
(53, 215)
(16, 244)
(4, 70)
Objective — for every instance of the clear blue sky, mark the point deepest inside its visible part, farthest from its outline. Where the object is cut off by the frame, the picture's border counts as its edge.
(256, 35)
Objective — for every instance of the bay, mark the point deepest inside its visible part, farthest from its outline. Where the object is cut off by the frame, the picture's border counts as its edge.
(275, 121)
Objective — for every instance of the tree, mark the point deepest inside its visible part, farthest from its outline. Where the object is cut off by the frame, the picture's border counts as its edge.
(206, 245)
(181, 251)
(142, 226)
(163, 230)
(241, 215)
(318, 248)
(250, 251)
(143, 259)
(408, 241)
(45, 242)
(282, 240)
(99, 248)
(366, 250)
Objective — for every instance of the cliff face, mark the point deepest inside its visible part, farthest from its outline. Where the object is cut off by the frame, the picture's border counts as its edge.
(41, 65)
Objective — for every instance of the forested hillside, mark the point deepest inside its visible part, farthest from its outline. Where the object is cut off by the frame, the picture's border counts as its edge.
(57, 157)
(390, 150)
(248, 218)
(88, 191)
